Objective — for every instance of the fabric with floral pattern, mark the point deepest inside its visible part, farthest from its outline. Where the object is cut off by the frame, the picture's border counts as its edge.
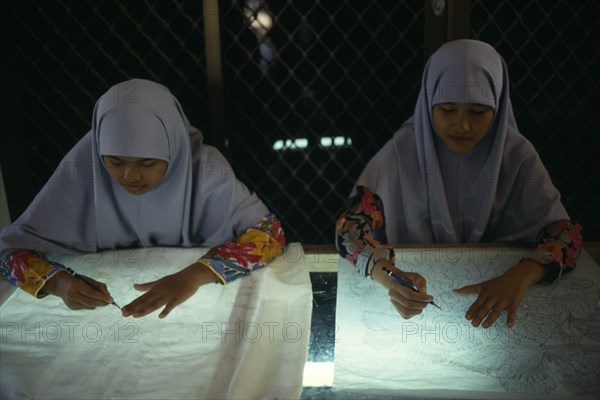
(30, 270)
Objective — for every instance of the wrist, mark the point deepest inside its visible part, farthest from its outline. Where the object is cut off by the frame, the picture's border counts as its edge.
(377, 272)
(530, 270)
(55, 284)
(203, 273)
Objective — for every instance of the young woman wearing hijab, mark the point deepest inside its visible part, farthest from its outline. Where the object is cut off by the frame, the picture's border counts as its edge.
(141, 177)
(459, 171)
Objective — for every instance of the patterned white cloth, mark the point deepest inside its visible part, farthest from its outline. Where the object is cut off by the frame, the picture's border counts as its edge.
(553, 351)
(245, 340)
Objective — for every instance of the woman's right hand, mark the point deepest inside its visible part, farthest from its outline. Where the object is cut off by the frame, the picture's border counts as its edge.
(407, 302)
(76, 293)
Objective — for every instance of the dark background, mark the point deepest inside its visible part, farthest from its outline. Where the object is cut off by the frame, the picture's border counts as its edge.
(318, 69)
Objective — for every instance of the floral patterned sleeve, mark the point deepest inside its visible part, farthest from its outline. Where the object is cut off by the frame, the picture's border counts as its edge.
(354, 232)
(557, 248)
(29, 270)
(253, 249)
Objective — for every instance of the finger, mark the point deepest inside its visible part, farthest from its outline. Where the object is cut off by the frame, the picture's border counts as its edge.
(469, 289)
(100, 285)
(144, 305)
(408, 307)
(89, 297)
(168, 308)
(420, 283)
(477, 304)
(482, 312)
(402, 293)
(88, 303)
(512, 317)
(144, 287)
(78, 306)
(492, 317)
(406, 312)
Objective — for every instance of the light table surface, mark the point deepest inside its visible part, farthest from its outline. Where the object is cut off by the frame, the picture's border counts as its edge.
(552, 352)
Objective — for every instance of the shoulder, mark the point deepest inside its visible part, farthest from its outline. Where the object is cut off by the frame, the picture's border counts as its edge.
(82, 150)
(210, 167)
(202, 152)
(77, 166)
(399, 148)
(518, 148)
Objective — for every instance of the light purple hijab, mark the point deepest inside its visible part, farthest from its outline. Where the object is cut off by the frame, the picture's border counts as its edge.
(499, 191)
(198, 202)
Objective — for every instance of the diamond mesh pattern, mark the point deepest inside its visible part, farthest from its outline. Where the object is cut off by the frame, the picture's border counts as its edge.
(301, 73)
(322, 69)
(65, 54)
(552, 49)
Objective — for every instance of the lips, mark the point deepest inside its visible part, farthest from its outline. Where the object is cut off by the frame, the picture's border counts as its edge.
(134, 188)
(460, 139)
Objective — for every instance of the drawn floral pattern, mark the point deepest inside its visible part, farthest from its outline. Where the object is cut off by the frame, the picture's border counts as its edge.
(553, 350)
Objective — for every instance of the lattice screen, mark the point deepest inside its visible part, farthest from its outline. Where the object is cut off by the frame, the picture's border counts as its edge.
(312, 88)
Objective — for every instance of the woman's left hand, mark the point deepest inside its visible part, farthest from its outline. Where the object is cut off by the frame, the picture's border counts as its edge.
(169, 291)
(503, 293)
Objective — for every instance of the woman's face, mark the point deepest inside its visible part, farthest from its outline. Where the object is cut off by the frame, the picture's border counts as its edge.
(136, 175)
(461, 126)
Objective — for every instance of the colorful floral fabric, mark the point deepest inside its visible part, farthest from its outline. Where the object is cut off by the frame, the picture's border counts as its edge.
(251, 250)
(354, 232)
(557, 247)
(29, 270)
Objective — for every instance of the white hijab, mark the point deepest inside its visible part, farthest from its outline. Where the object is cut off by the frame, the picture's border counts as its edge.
(499, 191)
(198, 202)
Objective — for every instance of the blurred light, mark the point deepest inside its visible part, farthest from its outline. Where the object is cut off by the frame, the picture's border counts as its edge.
(326, 141)
(289, 144)
(335, 141)
(302, 143)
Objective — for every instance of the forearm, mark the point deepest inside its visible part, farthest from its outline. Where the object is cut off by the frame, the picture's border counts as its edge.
(354, 232)
(253, 249)
(557, 248)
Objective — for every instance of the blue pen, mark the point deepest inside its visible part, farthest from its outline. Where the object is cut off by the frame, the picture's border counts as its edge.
(404, 283)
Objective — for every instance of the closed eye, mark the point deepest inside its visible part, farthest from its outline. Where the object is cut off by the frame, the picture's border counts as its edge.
(114, 161)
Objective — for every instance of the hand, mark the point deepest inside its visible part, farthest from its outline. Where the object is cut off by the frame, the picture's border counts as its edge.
(75, 293)
(169, 291)
(407, 302)
(503, 293)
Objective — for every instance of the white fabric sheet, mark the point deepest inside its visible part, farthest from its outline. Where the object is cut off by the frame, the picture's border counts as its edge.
(552, 352)
(245, 340)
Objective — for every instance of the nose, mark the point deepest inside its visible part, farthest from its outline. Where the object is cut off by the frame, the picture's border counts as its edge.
(131, 173)
(463, 122)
